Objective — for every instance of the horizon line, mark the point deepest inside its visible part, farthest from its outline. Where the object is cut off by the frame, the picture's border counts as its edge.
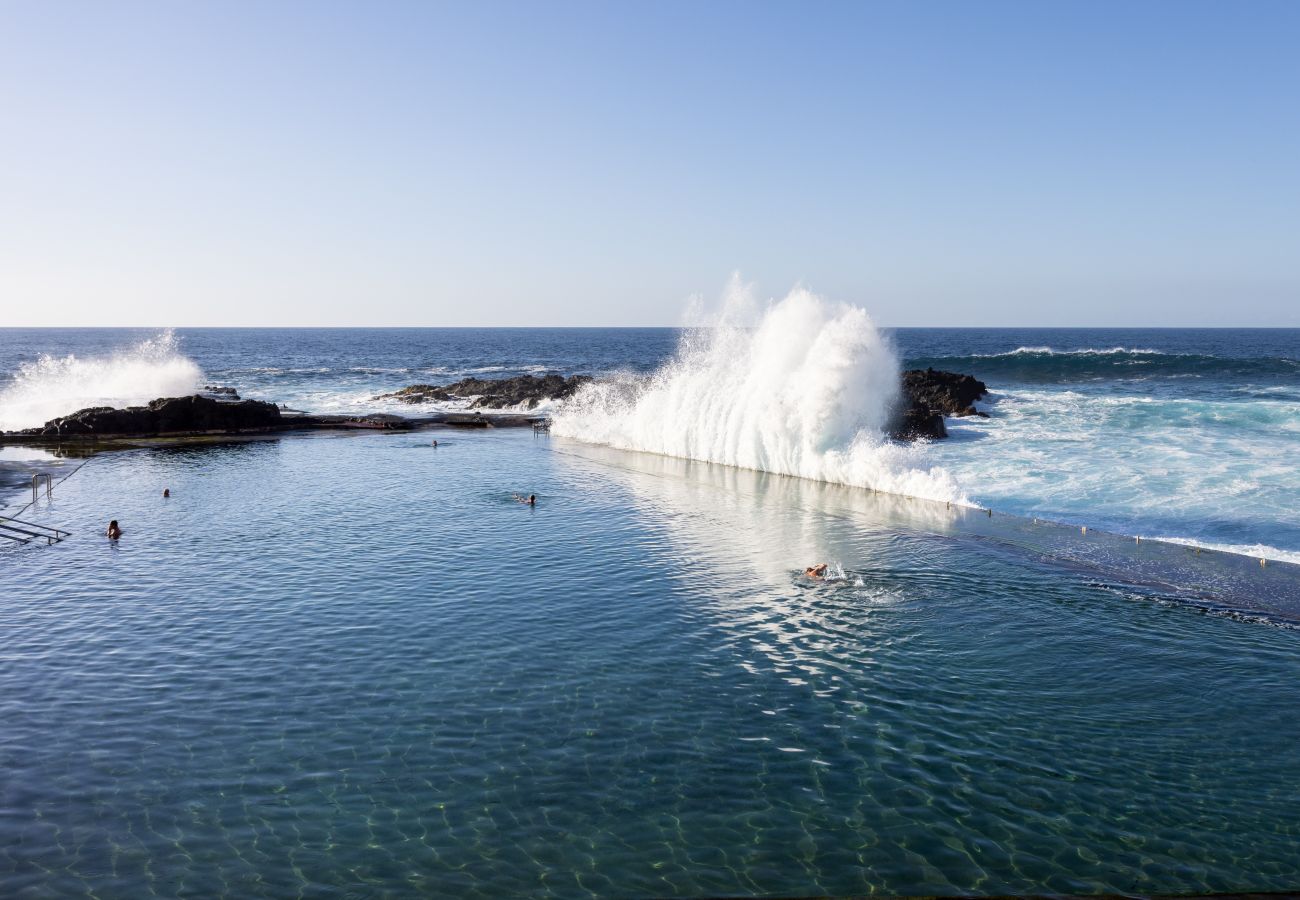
(632, 327)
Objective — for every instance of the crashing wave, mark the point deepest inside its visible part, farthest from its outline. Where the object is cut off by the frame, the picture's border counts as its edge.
(805, 391)
(55, 386)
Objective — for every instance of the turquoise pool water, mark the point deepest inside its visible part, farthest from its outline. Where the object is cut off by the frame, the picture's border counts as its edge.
(352, 666)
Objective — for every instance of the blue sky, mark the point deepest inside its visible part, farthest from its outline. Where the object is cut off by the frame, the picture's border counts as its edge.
(944, 163)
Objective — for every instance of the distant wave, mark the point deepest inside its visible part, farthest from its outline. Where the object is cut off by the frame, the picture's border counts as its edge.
(1048, 365)
(805, 392)
(1087, 351)
(55, 386)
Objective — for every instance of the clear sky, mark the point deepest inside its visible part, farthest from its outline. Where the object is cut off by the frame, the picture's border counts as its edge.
(555, 163)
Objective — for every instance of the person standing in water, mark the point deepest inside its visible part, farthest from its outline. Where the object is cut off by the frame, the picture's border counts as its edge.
(114, 531)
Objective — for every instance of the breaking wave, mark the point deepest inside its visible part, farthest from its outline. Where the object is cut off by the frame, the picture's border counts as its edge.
(55, 386)
(806, 391)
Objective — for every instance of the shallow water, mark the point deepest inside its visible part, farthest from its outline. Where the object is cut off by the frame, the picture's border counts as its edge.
(351, 664)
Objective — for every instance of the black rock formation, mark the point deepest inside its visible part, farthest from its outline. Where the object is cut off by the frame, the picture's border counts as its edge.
(914, 420)
(944, 392)
(494, 393)
(927, 396)
(169, 415)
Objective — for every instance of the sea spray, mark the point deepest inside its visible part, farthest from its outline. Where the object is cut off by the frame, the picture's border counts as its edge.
(807, 391)
(55, 386)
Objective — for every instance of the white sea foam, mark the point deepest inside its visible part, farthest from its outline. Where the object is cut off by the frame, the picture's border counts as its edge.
(1188, 470)
(804, 391)
(55, 386)
(1256, 551)
(1086, 351)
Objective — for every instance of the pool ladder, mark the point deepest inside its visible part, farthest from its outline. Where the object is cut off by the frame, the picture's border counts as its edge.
(25, 532)
(49, 485)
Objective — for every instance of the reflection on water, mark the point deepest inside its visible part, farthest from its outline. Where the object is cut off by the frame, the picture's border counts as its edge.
(20, 453)
(350, 665)
(776, 524)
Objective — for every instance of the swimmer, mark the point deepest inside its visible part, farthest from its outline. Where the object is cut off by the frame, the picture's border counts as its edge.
(531, 499)
(114, 532)
(818, 571)
(435, 443)
(167, 492)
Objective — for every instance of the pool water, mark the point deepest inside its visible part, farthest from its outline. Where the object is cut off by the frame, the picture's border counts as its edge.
(352, 665)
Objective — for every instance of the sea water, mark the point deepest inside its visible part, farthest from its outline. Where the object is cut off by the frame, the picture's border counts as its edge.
(353, 664)
(1182, 434)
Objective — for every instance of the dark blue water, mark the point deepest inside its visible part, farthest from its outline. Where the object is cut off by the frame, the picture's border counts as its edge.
(1211, 360)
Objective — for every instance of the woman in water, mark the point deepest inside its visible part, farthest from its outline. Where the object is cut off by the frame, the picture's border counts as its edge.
(114, 532)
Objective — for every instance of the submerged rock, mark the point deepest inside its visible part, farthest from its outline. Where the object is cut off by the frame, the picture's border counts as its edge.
(168, 415)
(494, 393)
(381, 421)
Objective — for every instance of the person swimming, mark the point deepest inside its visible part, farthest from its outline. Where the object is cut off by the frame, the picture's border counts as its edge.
(167, 492)
(114, 531)
(818, 571)
(531, 499)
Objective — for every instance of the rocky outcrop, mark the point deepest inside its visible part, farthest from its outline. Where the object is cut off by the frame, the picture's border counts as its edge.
(170, 415)
(927, 396)
(944, 392)
(915, 421)
(218, 392)
(494, 393)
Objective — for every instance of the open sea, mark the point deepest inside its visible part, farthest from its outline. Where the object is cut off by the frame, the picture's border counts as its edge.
(350, 665)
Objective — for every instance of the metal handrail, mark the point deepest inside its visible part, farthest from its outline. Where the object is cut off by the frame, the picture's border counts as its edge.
(48, 532)
(49, 485)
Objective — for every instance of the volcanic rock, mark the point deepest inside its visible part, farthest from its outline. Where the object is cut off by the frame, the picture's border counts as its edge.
(494, 393)
(927, 396)
(945, 392)
(915, 420)
(168, 415)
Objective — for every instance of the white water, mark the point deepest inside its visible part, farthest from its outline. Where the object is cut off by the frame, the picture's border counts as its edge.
(804, 391)
(55, 386)
(1199, 472)
(1087, 351)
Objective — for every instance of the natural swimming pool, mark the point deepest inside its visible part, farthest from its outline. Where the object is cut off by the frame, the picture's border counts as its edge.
(351, 664)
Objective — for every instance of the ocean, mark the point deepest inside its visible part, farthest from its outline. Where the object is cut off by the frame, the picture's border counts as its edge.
(352, 664)
(1179, 434)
